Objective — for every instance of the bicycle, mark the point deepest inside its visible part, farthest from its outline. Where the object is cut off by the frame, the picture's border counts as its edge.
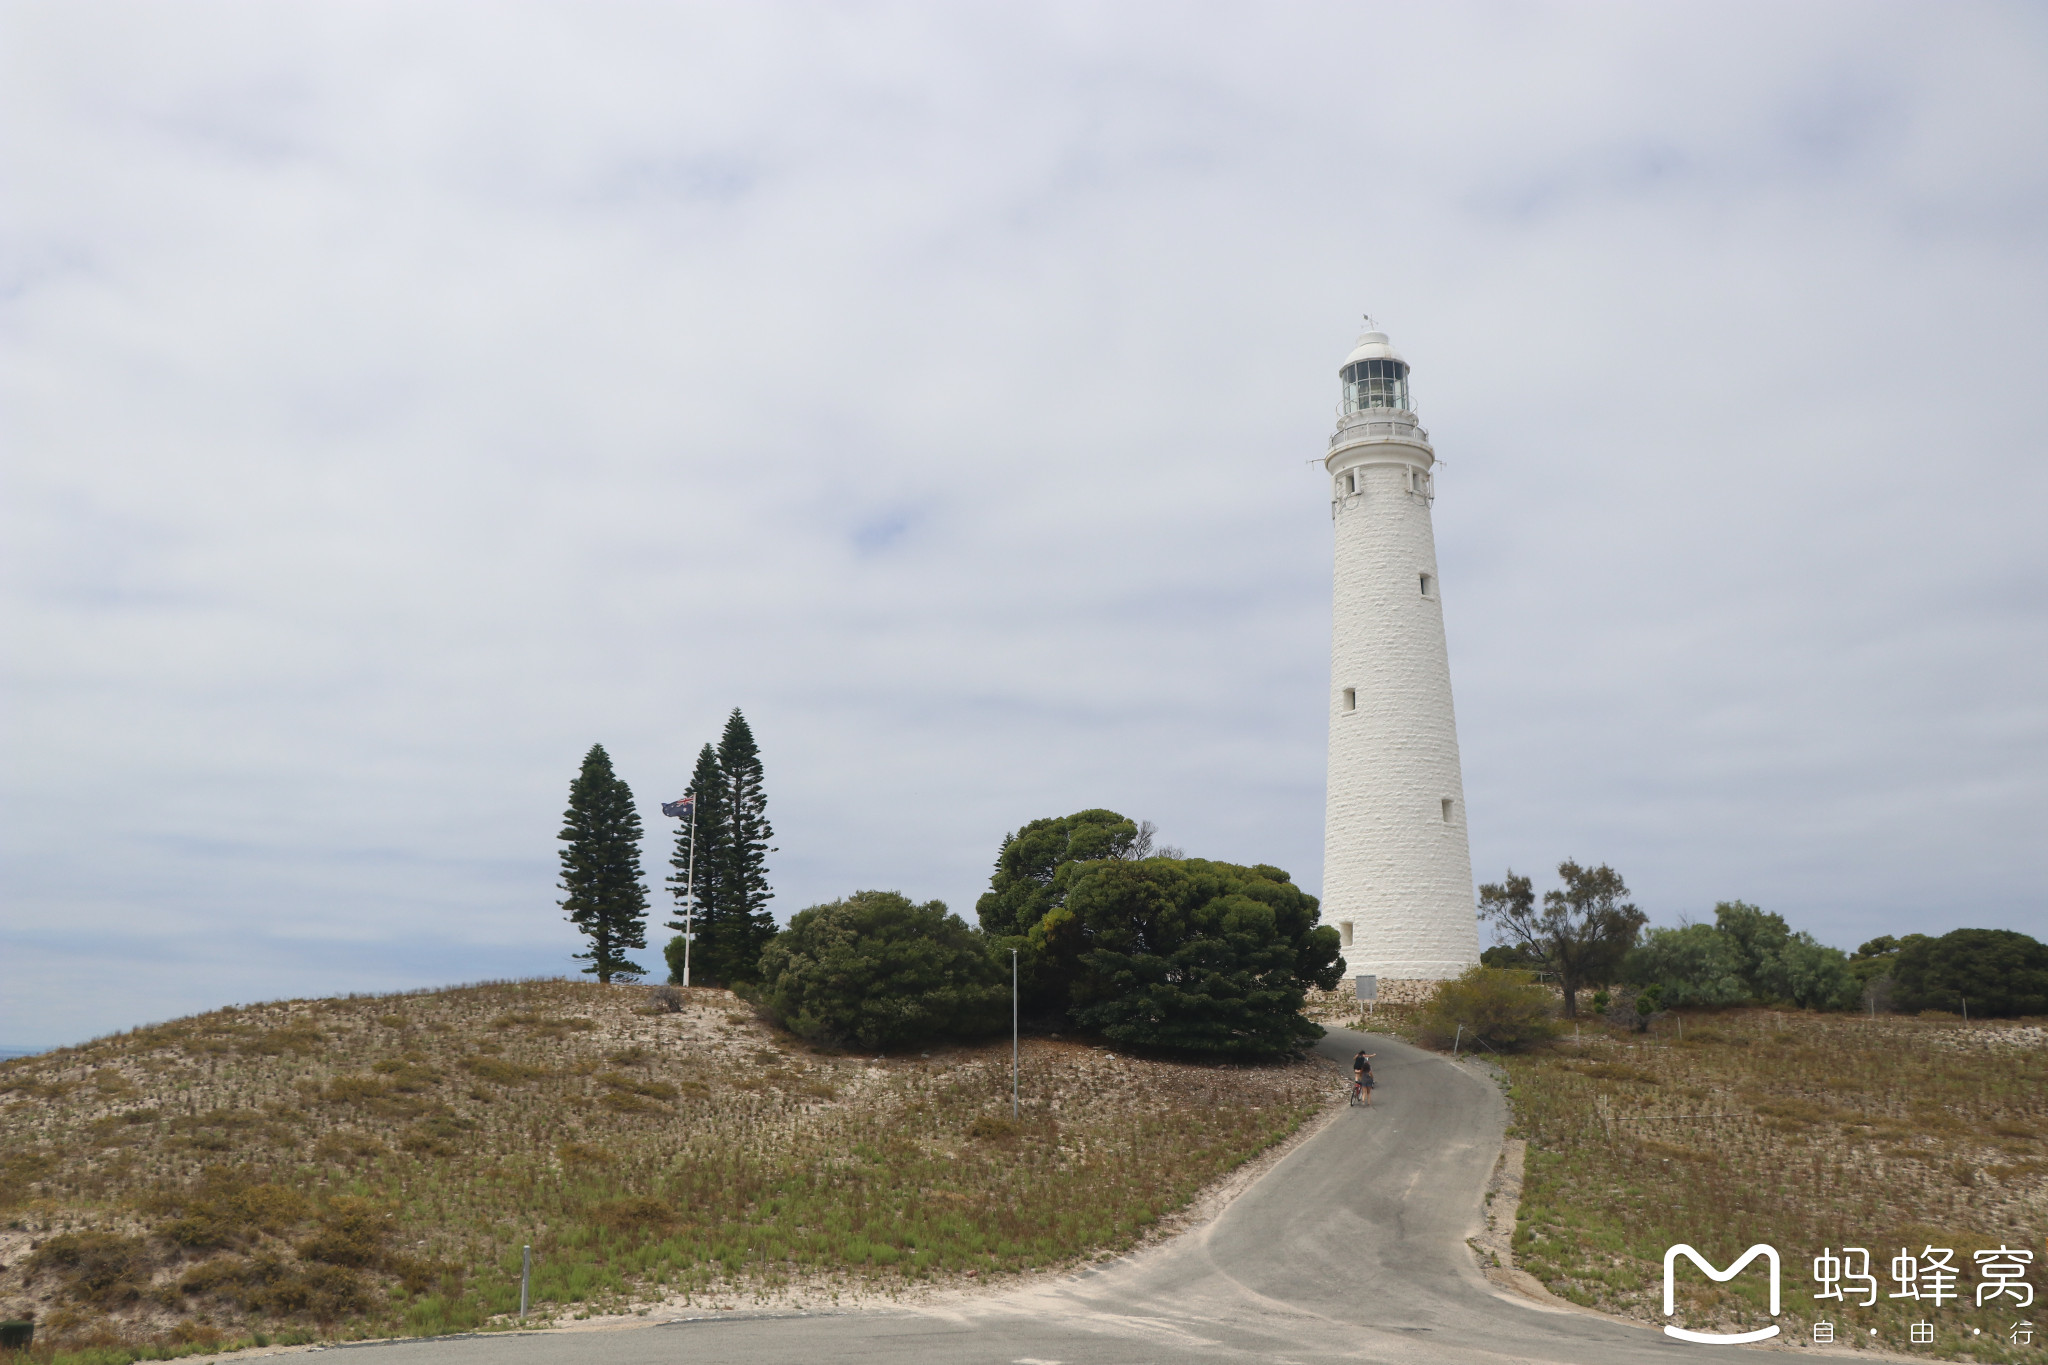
(1361, 1077)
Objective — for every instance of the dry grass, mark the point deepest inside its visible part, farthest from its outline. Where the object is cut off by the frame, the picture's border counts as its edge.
(1801, 1130)
(372, 1166)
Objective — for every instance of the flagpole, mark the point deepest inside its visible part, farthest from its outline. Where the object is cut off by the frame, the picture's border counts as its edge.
(1013, 1035)
(690, 893)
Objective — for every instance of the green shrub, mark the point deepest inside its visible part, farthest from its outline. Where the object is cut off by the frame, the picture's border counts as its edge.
(1811, 975)
(1194, 956)
(1997, 971)
(1694, 965)
(1500, 1007)
(1778, 964)
(1034, 869)
(879, 972)
(1746, 953)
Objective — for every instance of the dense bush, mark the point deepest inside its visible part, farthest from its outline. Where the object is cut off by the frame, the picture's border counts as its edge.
(1157, 951)
(1190, 955)
(877, 971)
(1872, 964)
(1997, 971)
(1810, 975)
(1034, 869)
(1745, 954)
(1781, 965)
(1499, 1006)
(1690, 966)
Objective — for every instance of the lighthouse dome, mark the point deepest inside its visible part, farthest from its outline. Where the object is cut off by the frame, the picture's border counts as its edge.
(1373, 346)
(1374, 375)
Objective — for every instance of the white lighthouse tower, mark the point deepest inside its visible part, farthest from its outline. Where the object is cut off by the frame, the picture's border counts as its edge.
(1397, 869)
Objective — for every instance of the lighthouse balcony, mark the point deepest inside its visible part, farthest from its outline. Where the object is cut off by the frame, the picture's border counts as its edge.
(1379, 424)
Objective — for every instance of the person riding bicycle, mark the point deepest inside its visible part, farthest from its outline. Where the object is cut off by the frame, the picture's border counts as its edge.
(1361, 1076)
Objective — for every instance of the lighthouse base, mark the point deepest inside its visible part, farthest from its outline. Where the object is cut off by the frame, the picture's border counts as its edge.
(1428, 972)
(1342, 1008)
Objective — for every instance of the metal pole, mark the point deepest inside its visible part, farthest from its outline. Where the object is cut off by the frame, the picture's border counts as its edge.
(1013, 1035)
(525, 1278)
(1455, 1041)
(690, 893)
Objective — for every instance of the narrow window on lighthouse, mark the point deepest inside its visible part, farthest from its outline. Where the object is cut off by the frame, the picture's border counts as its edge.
(1346, 927)
(1351, 482)
(1427, 584)
(1447, 810)
(1350, 699)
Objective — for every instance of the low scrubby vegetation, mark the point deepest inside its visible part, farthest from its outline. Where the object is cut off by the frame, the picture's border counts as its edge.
(1491, 1007)
(1803, 1130)
(372, 1166)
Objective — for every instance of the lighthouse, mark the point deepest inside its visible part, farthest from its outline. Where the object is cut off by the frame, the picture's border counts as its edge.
(1397, 868)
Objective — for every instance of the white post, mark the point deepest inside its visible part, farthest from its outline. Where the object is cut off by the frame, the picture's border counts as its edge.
(690, 893)
(1455, 1041)
(525, 1278)
(1013, 1035)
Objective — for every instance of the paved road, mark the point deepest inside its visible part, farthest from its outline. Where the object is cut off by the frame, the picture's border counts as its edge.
(1352, 1247)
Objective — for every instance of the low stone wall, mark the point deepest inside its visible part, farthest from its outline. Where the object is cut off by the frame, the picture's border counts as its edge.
(1342, 1006)
(1391, 993)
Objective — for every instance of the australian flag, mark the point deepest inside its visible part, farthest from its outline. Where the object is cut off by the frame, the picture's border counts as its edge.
(679, 808)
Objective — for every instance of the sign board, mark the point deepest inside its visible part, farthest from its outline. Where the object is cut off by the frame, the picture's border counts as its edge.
(1368, 987)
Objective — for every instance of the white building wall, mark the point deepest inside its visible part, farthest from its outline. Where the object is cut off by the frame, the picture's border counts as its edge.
(1396, 869)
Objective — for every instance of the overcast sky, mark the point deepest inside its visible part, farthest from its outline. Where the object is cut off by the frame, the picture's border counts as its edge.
(399, 398)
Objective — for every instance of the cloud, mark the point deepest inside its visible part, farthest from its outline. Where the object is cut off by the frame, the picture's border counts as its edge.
(398, 399)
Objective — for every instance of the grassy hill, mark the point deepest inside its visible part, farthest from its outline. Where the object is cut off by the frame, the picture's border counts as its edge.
(373, 1165)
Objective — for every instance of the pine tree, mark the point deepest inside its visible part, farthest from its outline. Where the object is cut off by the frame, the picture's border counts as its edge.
(601, 868)
(707, 789)
(737, 923)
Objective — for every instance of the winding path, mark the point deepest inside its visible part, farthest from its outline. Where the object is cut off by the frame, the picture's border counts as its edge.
(1351, 1248)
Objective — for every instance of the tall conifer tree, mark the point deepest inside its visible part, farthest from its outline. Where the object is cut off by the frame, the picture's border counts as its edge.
(601, 868)
(738, 923)
(713, 835)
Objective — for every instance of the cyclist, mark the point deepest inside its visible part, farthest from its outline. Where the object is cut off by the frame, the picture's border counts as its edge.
(1361, 1076)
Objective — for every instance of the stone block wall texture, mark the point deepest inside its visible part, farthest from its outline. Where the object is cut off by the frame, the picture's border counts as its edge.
(1394, 867)
(1342, 1008)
